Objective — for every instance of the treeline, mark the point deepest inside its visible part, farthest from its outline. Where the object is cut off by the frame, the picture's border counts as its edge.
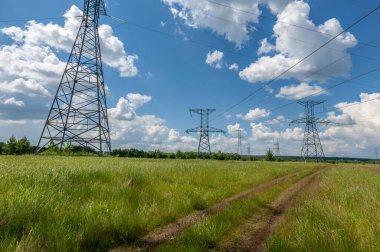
(16, 147)
(157, 154)
(68, 150)
(23, 147)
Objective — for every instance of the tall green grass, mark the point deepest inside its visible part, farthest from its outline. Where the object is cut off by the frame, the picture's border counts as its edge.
(87, 203)
(207, 234)
(343, 216)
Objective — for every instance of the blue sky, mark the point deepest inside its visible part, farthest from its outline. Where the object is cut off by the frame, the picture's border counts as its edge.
(168, 71)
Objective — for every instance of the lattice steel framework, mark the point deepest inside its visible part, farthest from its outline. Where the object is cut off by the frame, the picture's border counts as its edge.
(78, 115)
(312, 147)
(204, 129)
(239, 136)
(276, 148)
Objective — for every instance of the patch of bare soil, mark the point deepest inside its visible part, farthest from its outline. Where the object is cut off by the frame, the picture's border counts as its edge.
(168, 232)
(375, 169)
(253, 234)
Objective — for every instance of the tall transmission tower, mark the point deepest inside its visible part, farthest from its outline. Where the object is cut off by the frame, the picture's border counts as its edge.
(312, 147)
(276, 148)
(78, 114)
(376, 154)
(239, 148)
(204, 129)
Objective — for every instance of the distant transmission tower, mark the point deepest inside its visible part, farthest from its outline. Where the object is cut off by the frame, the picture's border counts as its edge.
(276, 148)
(204, 129)
(249, 150)
(239, 148)
(312, 147)
(78, 114)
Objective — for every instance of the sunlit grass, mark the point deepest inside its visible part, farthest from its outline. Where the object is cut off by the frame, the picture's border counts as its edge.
(343, 216)
(206, 234)
(71, 204)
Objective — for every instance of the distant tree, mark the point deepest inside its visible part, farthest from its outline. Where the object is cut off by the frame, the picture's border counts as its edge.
(23, 146)
(52, 147)
(270, 156)
(179, 155)
(10, 146)
(1, 147)
(191, 155)
(69, 148)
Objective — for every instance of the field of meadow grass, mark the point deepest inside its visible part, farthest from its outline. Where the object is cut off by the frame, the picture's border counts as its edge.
(91, 203)
(207, 234)
(341, 215)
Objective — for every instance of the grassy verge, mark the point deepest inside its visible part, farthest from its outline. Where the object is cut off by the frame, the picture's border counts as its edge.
(343, 216)
(87, 203)
(206, 234)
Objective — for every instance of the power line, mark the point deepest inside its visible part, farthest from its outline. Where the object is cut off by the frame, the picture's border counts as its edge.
(204, 129)
(350, 105)
(207, 45)
(297, 63)
(27, 20)
(273, 19)
(199, 43)
(318, 71)
(326, 89)
(290, 37)
(36, 19)
(194, 41)
(226, 50)
(311, 148)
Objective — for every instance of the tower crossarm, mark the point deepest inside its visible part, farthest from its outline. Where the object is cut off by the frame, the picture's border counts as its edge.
(305, 120)
(194, 130)
(201, 111)
(204, 129)
(215, 130)
(312, 147)
(298, 121)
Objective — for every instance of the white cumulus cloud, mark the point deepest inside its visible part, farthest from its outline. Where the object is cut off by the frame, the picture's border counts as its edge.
(358, 123)
(32, 76)
(234, 67)
(62, 38)
(126, 107)
(255, 114)
(291, 51)
(215, 59)
(231, 19)
(300, 91)
(265, 47)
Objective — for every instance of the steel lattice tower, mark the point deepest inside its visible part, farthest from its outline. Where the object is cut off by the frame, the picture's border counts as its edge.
(239, 135)
(204, 129)
(312, 147)
(78, 115)
(276, 148)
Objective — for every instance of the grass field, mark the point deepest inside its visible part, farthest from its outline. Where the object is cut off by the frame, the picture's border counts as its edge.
(343, 215)
(83, 203)
(91, 203)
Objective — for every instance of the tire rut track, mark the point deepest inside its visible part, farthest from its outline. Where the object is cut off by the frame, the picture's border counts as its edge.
(266, 220)
(168, 232)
